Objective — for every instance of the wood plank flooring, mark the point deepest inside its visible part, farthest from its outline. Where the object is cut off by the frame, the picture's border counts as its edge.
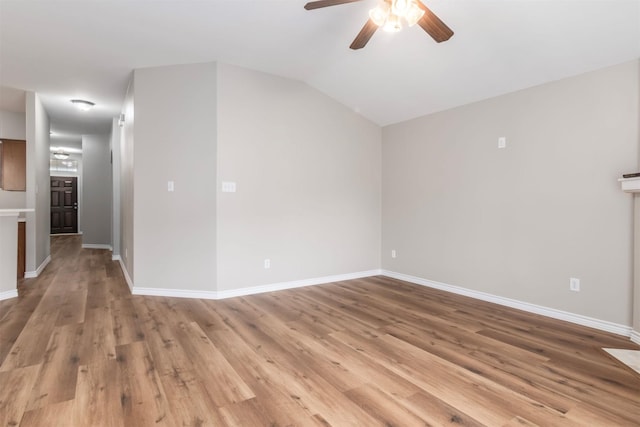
(77, 349)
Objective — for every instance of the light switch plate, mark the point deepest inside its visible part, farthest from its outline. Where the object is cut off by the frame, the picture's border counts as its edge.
(502, 142)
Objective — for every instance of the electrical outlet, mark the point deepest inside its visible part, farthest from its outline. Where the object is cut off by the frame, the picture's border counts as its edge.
(393, 253)
(228, 187)
(574, 284)
(267, 263)
(502, 142)
(126, 253)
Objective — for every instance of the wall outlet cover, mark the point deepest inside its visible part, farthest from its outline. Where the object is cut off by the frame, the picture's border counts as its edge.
(228, 187)
(574, 284)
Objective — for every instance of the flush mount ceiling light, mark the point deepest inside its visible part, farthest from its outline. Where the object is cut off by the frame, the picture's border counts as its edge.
(390, 15)
(82, 105)
(61, 155)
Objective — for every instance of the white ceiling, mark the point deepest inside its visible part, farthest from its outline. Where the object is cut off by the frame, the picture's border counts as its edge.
(66, 49)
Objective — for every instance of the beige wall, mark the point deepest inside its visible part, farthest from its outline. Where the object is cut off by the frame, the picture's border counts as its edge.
(636, 250)
(308, 182)
(519, 222)
(636, 268)
(38, 183)
(307, 170)
(114, 144)
(13, 125)
(175, 140)
(126, 182)
(96, 190)
(8, 256)
(13, 199)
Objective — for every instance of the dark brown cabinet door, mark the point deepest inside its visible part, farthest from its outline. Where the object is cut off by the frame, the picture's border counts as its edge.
(64, 204)
(13, 165)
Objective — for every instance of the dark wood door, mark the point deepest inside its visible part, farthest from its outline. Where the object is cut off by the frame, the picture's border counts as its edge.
(64, 204)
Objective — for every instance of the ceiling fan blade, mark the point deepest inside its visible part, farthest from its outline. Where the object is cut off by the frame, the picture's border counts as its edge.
(364, 35)
(433, 25)
(326, 3)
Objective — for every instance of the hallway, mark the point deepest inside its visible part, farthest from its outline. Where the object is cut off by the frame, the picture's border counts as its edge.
(61, 323)
(77, 349)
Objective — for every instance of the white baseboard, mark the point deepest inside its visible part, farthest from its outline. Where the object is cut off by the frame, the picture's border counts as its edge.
(127, 278)
(34, 274)
(8, 294)
(579, 319)
(115, 257)
(181, 293)
(96, 246)
(295, 284)
(176, 293)
(635, 337)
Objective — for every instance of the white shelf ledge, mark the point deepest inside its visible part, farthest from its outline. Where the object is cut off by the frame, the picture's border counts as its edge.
(630, 185)
(14, 212)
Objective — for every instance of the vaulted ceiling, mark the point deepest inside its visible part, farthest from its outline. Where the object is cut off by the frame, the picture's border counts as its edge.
(66, 49)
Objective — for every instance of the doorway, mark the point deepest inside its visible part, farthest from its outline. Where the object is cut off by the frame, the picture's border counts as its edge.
(64, 204)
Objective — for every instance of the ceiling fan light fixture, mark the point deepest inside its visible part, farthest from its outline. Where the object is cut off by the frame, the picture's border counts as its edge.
(413, 15)
(390, 14)
(380, 13)
(401, 7)
(393, 24)
(82, 105)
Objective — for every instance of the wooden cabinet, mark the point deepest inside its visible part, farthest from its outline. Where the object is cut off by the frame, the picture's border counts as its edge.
(13, 165)
(22, 238)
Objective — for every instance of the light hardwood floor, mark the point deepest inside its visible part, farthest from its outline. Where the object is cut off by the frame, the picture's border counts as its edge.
(77, 349)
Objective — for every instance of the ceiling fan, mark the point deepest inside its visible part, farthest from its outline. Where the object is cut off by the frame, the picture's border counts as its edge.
(390, 14)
